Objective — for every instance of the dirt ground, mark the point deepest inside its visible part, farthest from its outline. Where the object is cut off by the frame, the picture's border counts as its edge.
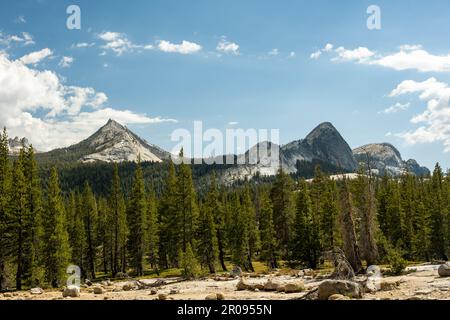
(420, 283)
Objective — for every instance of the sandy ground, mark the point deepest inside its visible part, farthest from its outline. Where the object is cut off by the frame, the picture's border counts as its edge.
(421, 283)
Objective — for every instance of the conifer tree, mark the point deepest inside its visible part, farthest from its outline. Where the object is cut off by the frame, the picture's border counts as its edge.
(76, 231)
(137, 213)
(214, 202)
(90, 215)
(207, 239)
(238, 233)
(5, 184)
(103, 238)
(269, 245)
(188, 263)
(56, 239)
(117, 231)
(248, 210)
(169, 223)
(306, 245)
(21, 222)
(348, 227)
(438, 243)
(152, 232)
(283, 210)
(35, 208)
(186, 204)
(364, 196)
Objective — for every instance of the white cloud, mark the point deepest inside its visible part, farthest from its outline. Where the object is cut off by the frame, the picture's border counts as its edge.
(25, 38)
(397, 108)
(233, 123)
(328, 47)
(66, 62)
(316, 55)
(185, 47)
(409, 57)
(83, 45)
(117, 42)
(292, 54)
(274, 52)
(435, 120)
(224, 46)
(36, 57)
(38, 105)
(360, 55)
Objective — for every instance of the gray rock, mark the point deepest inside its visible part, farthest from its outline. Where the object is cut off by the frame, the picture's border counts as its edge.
(444, 270)
(271, 286)
(36, 291)
(162, 296)
(99, 290)
(72, 292)
(346, 288)
(211, 296)
(129, 286)
(236, 272)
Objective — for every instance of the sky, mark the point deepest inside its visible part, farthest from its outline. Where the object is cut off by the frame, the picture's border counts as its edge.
(157, 66)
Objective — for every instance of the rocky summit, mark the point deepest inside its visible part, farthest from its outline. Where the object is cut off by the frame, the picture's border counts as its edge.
(383, 158)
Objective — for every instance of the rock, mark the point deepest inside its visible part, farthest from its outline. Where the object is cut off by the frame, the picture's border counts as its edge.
(414, 298)
(220, 296)
(7, 295)
(211, 296)
(88, 282)
(121, 275)
(174, 291)
(99, 290)
(347, 288)
(241, 285)
(129, 286)
(271, 286)
(338, 297)
(236, 272)
(424, 292)
(256, 290)
(162, 296)
(444, 270)
(386, 285)
(36, 291)
(294, 287)
(71, 291)
(153, 292)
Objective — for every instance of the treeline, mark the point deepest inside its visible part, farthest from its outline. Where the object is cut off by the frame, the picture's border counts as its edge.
(373, 220)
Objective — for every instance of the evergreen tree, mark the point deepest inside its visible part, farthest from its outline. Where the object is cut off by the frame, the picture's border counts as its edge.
(137, 213)
(169, 223)
(267, 231)
(283, 210)
(152, 232)
(364, 196)
(76, 231)
(207, 241)
(56, 240)
(248, 210)
(214, 202)
(306, 245)
(103, 238)
(438, 243)
(186, 204)
(21, 222)
(348, 227)
(5, 184)
(90, 215)
(238, 233)
(188, 263)
(117, 231)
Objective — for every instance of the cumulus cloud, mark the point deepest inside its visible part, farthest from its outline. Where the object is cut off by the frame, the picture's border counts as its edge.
(20, 19)
(25, 38)
(435, 120)
(409, 57)
(40, 106)
(36, 57)
(360, 55)
(397, 108)
(224, 46)
(117, 42)
(316, 55)
(185, 47)
(66, 62)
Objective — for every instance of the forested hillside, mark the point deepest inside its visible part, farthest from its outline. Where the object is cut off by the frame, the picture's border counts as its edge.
(144, 218)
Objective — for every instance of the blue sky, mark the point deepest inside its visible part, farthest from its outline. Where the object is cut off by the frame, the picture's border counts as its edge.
(262, 76)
